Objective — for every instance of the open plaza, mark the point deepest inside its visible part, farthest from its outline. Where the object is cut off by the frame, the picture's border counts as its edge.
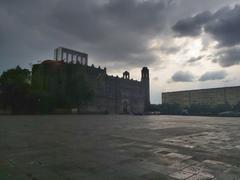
(106, 147)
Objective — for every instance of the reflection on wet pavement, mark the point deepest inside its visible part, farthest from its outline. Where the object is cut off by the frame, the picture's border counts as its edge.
(119, 147)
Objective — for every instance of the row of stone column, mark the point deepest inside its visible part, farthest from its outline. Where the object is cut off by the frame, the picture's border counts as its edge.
(74, 58)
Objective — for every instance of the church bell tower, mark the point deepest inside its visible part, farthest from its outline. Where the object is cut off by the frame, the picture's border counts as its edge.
(146, 86)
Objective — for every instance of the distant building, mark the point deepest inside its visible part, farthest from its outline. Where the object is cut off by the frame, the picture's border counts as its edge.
(112, 94)
(212, 97)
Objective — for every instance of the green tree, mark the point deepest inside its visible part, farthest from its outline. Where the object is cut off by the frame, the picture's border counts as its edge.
(15, 89)
(79, 91)
(42, 102)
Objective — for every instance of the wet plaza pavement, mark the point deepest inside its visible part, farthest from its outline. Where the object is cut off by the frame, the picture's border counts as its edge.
(119, 147)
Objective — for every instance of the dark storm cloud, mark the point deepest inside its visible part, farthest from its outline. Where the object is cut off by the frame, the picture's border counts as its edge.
(140, 16)
(24, 35)
(114, 31)
(223, 25)
(228, 57)
(192, 26)
(110, 31)
(226, 26)
(182, 76)
(214, 75)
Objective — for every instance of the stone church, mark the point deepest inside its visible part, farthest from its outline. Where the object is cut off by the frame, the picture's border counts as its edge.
(112, 94)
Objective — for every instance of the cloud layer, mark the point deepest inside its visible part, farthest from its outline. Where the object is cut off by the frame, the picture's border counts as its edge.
(223, 25)
(186, 76)
(110, 31)
(166, 35)
(182, 76)
(192, 26)
(228, 57)
(215, 75)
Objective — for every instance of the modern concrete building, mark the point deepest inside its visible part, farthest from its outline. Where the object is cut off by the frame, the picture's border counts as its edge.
(111, 94)
(212, 97)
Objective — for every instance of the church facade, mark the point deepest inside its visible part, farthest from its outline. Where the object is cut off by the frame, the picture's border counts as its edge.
(112, 94)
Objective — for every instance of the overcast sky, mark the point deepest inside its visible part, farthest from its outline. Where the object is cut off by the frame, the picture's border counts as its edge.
(187, 44)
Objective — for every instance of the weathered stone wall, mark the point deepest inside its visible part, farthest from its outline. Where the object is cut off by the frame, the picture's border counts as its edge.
(112, 94)
(215, 96)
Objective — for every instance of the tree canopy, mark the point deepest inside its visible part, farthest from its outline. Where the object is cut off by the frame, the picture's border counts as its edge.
(19, 96)
(15, 88)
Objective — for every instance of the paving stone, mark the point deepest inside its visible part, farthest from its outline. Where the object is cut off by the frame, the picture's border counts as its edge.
(179, 165)
(201, 176)
(162, 150)
(216, 163)
(238, 146)
(181, 175)
(178, 156)
(156, 176)
(193, 169)
(119, 147)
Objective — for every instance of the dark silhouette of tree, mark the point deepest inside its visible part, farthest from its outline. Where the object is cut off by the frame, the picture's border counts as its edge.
(62, 88)
(79, 92)
(15, 87)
